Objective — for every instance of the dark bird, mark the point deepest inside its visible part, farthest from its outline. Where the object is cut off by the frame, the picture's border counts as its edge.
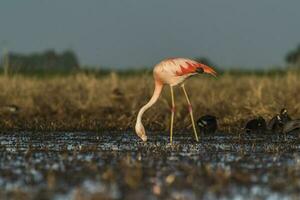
(277, 123)
(284, 115)
(256, 125)
(207, 124)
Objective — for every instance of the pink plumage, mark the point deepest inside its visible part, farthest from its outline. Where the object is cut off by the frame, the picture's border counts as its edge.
(174, 71)
(171, 71)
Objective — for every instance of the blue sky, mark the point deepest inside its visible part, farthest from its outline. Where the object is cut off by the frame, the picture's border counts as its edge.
(136, 33)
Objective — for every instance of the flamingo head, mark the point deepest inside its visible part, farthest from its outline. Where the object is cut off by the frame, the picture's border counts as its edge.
(140, 131)
(206, 69)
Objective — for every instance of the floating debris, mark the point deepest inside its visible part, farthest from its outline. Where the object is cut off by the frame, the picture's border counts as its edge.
(257, 125)
(291, 126)
(207, 124)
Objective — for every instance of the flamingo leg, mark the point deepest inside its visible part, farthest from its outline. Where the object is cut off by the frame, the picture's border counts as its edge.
(172, 114)
(191, 112)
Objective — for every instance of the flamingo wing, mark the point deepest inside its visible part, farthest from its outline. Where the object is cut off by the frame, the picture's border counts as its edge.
(185, 66)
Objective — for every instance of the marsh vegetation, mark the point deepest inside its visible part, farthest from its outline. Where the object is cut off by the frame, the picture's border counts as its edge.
(89, 101)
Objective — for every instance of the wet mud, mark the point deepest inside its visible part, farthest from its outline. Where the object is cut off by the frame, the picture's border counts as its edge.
(117, 165)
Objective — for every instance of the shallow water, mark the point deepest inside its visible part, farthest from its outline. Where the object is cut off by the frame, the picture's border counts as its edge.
(117, 165)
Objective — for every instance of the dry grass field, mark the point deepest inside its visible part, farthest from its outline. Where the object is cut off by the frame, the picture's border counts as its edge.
(86, 102)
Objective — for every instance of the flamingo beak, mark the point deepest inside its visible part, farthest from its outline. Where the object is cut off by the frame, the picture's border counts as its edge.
(208, 70)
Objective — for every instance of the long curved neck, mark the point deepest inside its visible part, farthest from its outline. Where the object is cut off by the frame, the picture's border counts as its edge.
(155, 96)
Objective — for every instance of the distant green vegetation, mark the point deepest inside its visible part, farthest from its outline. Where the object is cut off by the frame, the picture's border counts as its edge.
(50, 63)
(293, 57)
(38, 62)
(41, 73)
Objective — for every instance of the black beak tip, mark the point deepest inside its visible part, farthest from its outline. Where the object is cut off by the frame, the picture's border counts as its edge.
(200, 70)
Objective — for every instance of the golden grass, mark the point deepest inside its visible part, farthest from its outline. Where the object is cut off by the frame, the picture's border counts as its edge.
(85, 102)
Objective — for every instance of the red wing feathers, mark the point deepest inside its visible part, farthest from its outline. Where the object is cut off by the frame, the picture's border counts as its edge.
(189, 68)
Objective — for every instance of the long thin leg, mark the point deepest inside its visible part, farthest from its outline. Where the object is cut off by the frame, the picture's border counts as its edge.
(191, 112)
(172, 114)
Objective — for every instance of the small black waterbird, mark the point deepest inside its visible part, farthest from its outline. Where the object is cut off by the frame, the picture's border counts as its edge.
(256, 125)
(207, 124)
(277, 123)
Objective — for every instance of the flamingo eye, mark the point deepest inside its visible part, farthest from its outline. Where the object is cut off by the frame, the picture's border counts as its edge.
(199, 70)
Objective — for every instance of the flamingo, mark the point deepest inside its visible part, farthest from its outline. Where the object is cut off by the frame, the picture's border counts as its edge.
(172, 72)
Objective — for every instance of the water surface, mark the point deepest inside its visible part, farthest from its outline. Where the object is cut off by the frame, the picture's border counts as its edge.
(117, 165)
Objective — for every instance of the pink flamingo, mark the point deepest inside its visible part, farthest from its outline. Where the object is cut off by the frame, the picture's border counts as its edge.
(172, 71)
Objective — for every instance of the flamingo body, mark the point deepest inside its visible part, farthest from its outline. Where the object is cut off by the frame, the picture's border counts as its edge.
(172, 71)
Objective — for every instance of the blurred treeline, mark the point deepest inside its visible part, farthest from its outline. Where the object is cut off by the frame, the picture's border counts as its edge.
(49, 63)
(39, 62)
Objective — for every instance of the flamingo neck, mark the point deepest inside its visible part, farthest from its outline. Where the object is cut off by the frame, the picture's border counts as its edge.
(155, 96)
